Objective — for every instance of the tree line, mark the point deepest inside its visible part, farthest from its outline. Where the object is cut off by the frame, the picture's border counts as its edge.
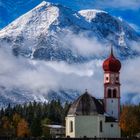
(28, 119)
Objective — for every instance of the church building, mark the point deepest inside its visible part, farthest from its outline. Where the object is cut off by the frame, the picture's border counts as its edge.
(91, 117)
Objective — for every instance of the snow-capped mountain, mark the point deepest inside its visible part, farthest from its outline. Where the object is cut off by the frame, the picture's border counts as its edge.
(121, 9)
(48, 32)
(41, 33)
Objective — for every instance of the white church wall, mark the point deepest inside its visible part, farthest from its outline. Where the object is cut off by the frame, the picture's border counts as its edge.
(68, 120)
(89, 126)
(86, 126)
(101, 118)
(111, 130)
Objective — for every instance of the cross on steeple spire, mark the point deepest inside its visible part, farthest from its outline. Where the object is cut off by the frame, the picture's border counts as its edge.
(86, 90)
(111, 51)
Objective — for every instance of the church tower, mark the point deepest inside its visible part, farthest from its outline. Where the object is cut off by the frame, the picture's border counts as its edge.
(112, 68)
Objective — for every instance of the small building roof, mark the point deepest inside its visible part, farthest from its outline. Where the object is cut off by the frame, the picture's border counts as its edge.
(54, 126)
(110, 119)
(86, 105)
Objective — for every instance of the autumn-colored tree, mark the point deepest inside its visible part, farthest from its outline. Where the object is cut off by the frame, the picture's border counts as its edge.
(22, 128)
(33, 113)
(7, 128)
(129, 121)
(6, 123)
(16, 120)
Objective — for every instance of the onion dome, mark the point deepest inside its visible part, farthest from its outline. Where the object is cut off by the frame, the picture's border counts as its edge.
(86, 105)
(112, 64)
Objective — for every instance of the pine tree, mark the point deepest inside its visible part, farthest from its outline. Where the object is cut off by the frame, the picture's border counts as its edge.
(36, 129)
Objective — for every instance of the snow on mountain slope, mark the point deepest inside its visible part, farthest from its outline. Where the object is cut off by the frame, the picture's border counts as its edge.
(45, 31)
(18, 96)
(90, 14)
(33, 21)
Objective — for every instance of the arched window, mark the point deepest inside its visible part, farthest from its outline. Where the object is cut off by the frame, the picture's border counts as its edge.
(109, 93)
(114, 93)
(101, 126)
(71, 126)
(117, 78)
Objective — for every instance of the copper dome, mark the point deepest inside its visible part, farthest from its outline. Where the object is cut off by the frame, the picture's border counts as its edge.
(112, 64)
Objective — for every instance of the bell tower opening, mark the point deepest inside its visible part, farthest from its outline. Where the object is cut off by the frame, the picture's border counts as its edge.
(114, 93)
(109, 93)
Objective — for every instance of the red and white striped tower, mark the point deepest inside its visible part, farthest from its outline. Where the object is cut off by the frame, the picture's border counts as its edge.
(111, 67)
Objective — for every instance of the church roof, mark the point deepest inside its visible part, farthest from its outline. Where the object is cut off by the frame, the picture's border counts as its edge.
(86, 105)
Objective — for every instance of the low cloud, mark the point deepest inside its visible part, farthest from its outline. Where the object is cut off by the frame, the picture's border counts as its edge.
(135, 27)
(130, 81)
(135, 46)
(84, 45)
(42, 76)
(130, 76)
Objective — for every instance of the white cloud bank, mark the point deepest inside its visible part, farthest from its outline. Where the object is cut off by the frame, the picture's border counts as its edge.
(84, 45)
(41, 76)
(135, 27)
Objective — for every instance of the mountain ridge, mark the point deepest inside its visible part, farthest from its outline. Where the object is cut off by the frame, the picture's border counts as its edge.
(53, 21)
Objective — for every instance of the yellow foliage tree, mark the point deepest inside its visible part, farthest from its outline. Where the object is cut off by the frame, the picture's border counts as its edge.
(16, 120)
(6, 126)
(6, 123)
(129, 121)
(22, 128)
